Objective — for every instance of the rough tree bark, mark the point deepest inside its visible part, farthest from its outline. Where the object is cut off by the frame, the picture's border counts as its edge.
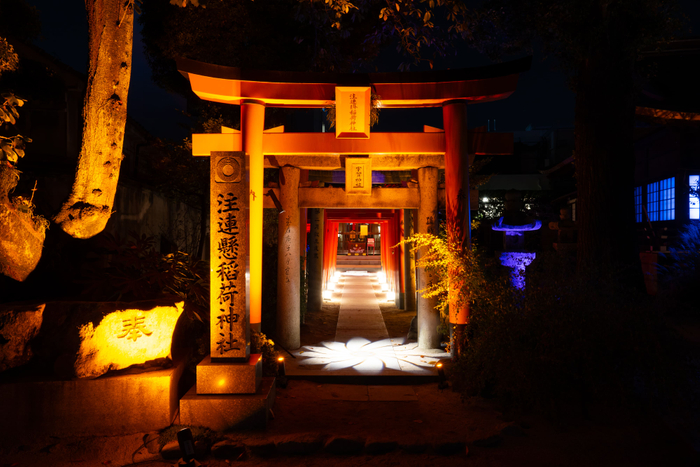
(604, 123)
(89, 205)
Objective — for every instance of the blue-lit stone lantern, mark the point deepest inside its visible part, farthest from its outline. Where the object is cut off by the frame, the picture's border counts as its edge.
(514, 224)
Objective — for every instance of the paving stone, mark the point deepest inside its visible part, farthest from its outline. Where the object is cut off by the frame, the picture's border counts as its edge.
(392, 393)
(261, 447)
(171, 451)
(228, 449)
(415, 448)
(450, 448)
(512, 430)
(343, 445)
(299, 444)
(376, 446)
(489, 442)
(150, 440)
(201, 448)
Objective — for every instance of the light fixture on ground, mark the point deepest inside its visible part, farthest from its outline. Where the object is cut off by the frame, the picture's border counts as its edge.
(186, 442)
(442, 381)
(281, 373)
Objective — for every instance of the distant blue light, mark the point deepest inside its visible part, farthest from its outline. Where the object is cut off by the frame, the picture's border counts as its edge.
(378, 178)
(500, 226)
(638, 203)
(517, 261)
(661, 200)
(693, 200)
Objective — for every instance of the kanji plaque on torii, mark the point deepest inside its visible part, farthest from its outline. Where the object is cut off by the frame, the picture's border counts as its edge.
(229, 325)
(352, 111)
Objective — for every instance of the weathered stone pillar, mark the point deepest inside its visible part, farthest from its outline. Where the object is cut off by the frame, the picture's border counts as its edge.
(409, 263)
(314, 260)
(303, 177)
(288, 315)
(428, 316)
(252, 126)
(454, 116)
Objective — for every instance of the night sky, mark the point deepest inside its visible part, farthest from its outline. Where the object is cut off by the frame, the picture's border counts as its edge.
(542, 99)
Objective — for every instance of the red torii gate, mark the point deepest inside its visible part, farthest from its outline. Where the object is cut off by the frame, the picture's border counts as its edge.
(255, 90)
(388, 219)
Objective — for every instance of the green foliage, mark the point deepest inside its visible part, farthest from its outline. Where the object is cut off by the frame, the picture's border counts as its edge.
(11, 148)
(171, 161)
(198, 434)
(570, 29)
(8, 58)
(259, 343)
(562, 337)
(133, 270)
(680, 274)
(19, 20)
(376, 107)
(422, 28)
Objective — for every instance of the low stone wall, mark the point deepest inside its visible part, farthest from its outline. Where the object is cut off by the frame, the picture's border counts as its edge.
(43, 350)
(103, 406)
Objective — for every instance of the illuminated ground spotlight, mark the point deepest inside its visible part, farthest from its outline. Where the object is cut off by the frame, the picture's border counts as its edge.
(442, 381)
(281, 373)
(381, 277)
(390, 297)
(281, 370)
(327, 294)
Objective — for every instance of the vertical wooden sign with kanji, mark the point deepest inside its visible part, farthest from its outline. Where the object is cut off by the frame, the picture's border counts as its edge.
(230, 318)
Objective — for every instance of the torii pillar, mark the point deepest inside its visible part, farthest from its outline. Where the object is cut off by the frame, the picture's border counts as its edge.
(288, 269)
(454, 116)
(252, 126)
(428, 316)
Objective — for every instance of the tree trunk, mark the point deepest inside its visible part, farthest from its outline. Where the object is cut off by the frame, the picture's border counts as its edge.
(89, 206)
(604, 125)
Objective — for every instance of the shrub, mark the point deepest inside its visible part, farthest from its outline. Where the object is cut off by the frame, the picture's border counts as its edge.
(681, 271)
(259, 343)
(560, 337)
(133, 270)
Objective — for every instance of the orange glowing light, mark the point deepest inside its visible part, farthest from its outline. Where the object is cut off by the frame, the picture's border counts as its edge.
(352, 109)
(439, 365)
(126, 337)
(280, 359)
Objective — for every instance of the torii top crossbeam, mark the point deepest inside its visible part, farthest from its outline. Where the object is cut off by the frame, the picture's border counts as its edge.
(397, 90)
(255, 90)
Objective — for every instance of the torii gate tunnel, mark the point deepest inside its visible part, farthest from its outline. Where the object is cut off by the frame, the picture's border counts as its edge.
(357, 151)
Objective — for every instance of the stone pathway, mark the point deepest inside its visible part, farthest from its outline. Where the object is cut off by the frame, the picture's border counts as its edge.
(359, 311)
(362, 345)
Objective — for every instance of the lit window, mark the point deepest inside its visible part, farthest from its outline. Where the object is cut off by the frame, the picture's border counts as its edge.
(661, 200)
(693, 200)
(638, 203)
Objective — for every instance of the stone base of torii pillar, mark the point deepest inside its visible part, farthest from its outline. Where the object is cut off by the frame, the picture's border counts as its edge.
(230, 391)
(246, 406)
